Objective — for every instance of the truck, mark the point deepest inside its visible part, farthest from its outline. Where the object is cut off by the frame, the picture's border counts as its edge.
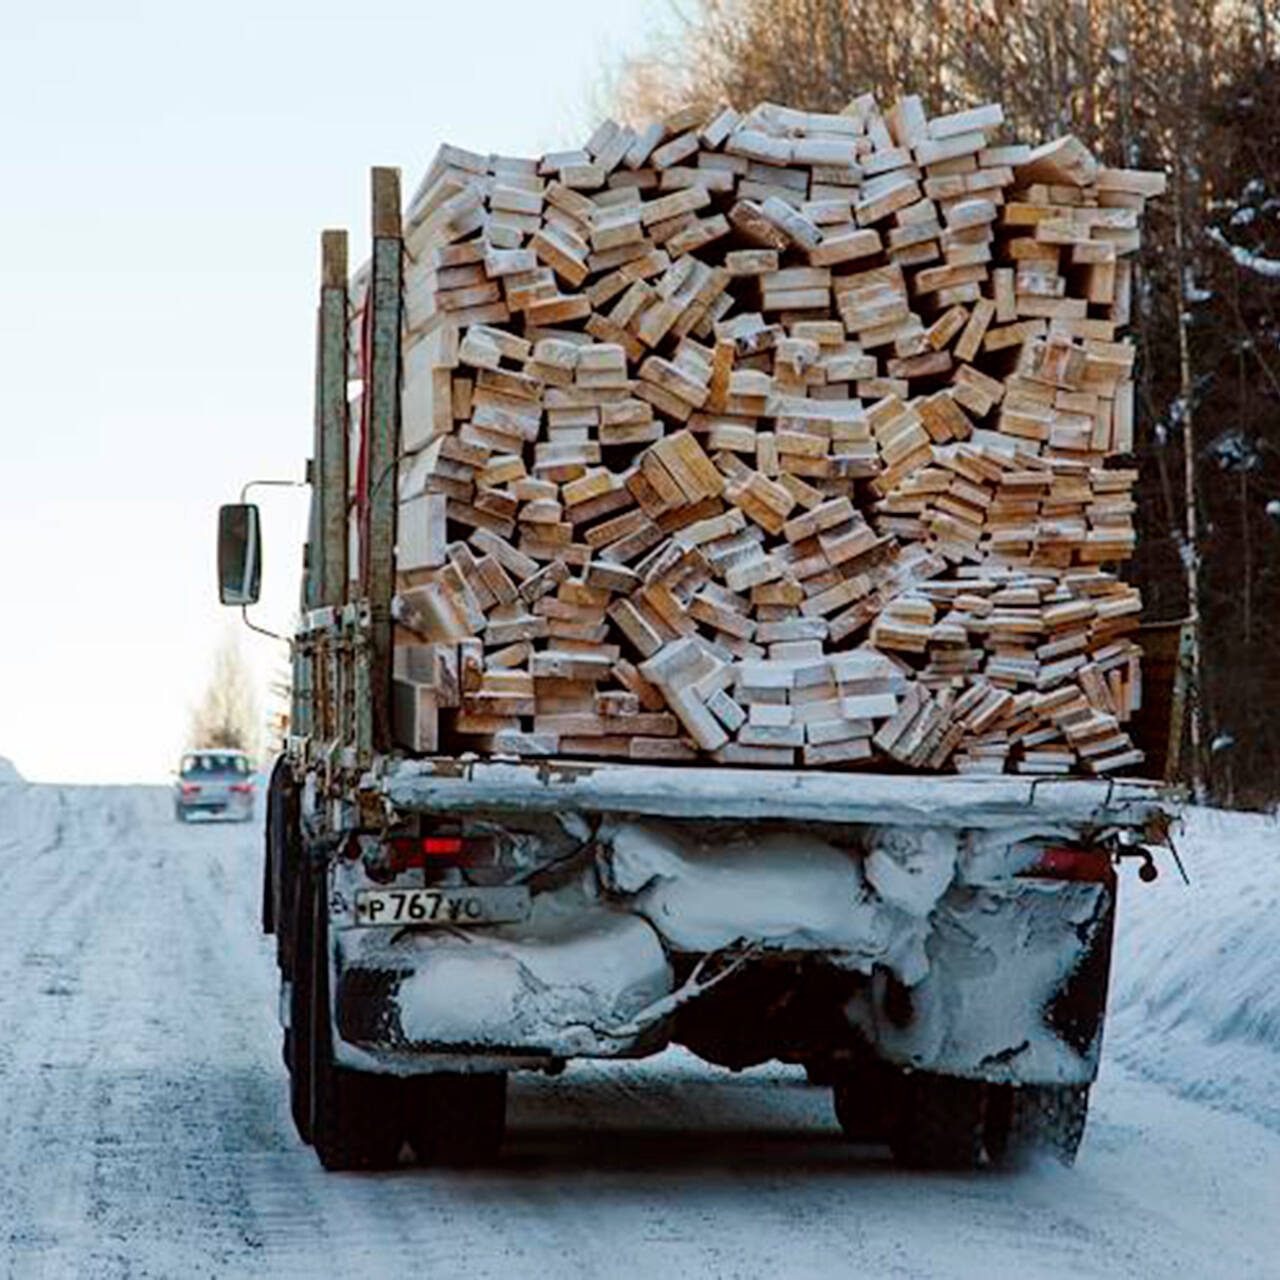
(935, 950)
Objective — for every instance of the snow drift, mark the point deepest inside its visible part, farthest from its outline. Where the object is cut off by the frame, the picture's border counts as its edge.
(1195, 998)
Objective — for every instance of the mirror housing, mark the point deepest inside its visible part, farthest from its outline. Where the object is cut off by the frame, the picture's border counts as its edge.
(239, 554)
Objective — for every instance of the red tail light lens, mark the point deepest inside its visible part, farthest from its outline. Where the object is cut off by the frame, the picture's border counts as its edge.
(385, 857)
(242, 788)
(1060, 862)
(442, 846)
(190, 788)
(421, 851)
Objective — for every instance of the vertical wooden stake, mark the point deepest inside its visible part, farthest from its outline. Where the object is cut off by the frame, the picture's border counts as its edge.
(383, 424)
(329, 507)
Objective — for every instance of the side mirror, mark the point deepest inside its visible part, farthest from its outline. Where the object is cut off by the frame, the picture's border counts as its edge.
(239, 554)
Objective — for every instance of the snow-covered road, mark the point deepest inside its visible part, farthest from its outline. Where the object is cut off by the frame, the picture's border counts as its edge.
(144, 1129)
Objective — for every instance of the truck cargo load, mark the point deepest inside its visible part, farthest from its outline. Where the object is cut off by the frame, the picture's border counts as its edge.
(776, 439)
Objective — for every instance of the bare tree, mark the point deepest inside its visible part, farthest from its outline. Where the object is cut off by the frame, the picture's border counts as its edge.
(228, 712)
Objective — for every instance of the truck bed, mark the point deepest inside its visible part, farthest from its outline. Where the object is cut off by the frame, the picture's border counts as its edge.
(462, 785)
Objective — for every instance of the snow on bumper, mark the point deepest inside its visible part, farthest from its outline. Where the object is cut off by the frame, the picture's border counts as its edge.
(1015, 991)
(555, 986)
(972, 971)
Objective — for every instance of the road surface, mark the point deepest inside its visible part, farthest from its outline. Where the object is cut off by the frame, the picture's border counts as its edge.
(144, 1129)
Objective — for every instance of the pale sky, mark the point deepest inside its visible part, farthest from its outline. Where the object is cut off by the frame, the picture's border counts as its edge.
(167, 170)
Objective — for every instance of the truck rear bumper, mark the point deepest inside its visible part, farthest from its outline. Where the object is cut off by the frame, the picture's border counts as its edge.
(1002, 979)
(566, 983)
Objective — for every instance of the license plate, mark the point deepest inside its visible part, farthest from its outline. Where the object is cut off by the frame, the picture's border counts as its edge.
(441, 906)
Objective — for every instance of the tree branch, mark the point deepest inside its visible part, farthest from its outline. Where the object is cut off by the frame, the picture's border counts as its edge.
(1269, 267)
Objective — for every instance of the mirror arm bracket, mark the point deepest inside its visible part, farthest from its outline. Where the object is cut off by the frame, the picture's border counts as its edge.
(244, 492)
(262, 631)
(282, 484)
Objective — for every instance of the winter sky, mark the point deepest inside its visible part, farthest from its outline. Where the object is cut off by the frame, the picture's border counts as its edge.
(168, 169)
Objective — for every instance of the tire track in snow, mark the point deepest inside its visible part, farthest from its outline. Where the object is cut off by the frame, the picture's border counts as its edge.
(53, 1032)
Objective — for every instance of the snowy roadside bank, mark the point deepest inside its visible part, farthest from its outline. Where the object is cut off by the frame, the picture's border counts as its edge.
(36, 817)
(1195, 997)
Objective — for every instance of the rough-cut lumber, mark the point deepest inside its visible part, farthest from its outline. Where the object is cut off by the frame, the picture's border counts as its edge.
(771, 439)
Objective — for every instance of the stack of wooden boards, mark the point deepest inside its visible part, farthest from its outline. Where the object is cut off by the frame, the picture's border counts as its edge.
(773, 439)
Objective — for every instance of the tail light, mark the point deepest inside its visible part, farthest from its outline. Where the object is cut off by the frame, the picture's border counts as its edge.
(385, 857)
(437, 850)
(242, 788)
(1062, 862)
(190, 788)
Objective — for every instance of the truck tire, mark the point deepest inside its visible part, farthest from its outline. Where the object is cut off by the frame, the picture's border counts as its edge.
(297, 1039)
(1028, 1122)
(939, 1122)
(268, 897)
(281, 843)
(355, 1115)
(856, 1122)
(867, 1101)
(457, 1119)
(819, 1071)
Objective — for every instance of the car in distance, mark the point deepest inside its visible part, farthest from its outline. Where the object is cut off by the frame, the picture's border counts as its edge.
(215, 780)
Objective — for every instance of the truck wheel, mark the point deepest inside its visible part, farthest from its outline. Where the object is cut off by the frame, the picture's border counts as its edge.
(355, 1115)
(866, 1102)
(819, 1071)
(282, 858)
(864, 1115)
(1029, 1122)
(852, 1114)
(268, 902)
(457, 1119)
(939, 1123)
